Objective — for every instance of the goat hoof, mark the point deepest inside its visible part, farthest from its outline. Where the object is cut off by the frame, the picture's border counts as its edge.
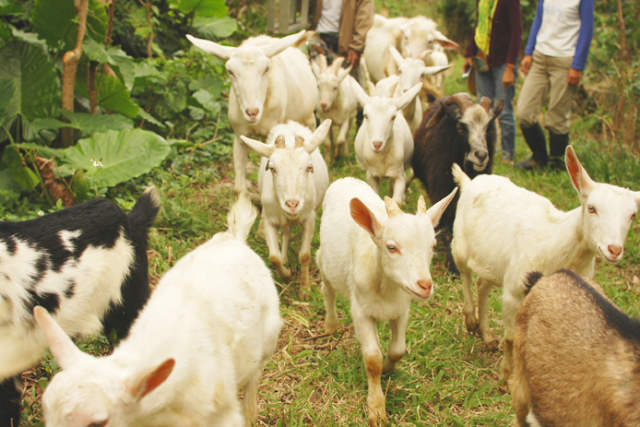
(492, 345)
(378, 418)
(330, 326)
(472, 326)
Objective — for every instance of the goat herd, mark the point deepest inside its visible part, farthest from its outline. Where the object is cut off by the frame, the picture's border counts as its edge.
(213, 321)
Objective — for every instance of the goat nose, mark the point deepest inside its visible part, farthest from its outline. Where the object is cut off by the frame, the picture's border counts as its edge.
(615, 250)
(481, 155)
(377, 145)
(425, 285)
(252, 112)
(292, 203)
(324, 105)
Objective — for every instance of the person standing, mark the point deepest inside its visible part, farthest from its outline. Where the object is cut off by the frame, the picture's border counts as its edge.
(555, 56)
(343, 25)
(496, 46)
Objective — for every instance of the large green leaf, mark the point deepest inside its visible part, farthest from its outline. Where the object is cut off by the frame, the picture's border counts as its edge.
(36, 81)
(87, 123)
(211, 27)
(56, 21)
(123, 155)
(211, 8)
(112, 94)
(7, 90)
(27, 178)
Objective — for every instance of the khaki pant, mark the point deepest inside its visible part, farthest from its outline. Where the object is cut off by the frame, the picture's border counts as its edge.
(547, 77)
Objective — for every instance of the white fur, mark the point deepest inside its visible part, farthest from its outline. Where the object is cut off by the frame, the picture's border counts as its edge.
(336, 102)
(270, 79)
(437, 58)
(208, 330)
(384, 142)
(412, 37)
(293, 179)
(502, 232)
(380, 268)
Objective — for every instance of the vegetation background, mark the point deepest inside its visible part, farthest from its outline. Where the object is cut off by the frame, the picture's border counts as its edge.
(145, 107)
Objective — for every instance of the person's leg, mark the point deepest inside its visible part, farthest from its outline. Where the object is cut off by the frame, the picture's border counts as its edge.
(507, 118)
(534, 92)
(558, 118)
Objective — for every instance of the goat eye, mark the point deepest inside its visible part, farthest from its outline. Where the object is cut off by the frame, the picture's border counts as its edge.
(98, 424)
(335, 89)
(266, 71)
(366, 117)
(633, 217)
(393, 118)
(591, 209)
(392, 248)
(310, 168)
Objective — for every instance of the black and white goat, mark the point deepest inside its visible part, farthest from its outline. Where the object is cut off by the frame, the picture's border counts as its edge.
(87, 265)
(454, 130)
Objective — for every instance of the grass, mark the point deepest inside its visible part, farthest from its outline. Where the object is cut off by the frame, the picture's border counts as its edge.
(447, 378)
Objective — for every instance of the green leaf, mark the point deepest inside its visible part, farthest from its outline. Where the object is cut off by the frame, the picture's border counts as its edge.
(27, 178)
(56, 21)
(211, 8)
(7, 90)
(112, 94)
(9, 187)
(148, 117)
(211, 27)
(207, 101)
(122, 64)
(87, 123)
(146, 69)
(36, 81)
(124, 155)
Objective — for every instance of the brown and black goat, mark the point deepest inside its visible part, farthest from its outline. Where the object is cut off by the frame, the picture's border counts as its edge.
(454, 130)
(577, 356)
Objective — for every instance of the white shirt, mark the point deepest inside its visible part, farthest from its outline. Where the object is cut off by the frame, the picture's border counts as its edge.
(329, 21)
(558, 35)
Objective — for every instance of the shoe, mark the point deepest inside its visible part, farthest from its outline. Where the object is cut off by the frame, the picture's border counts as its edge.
(529, 165)
(507, 158)
(537, 142)
(557, 145)
(556, 164)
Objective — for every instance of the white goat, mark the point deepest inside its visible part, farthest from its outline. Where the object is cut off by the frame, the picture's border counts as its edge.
(293, 179)
(412, 37)
(336, 102)
(209, 328)
(410, 72)
(384, 143)
(437, 58)
(270, 84)
(502, 232)
(379, 258)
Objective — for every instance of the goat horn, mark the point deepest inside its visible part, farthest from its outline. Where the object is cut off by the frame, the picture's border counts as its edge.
(299, 141)
(392, 207)
(422, 205)
(485, 103)
(280, 142)
(372, 89)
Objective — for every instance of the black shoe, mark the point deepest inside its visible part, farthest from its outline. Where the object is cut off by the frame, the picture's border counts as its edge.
(537, 142)
(529, 165)
(556, 164)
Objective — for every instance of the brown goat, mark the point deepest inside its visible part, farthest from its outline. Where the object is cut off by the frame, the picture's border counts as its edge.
(577, 356)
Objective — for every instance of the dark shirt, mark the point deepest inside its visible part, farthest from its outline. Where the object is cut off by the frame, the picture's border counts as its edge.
(506, 34)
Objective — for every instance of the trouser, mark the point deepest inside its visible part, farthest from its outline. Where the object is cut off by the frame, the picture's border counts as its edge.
(547, 78)
(489, 84)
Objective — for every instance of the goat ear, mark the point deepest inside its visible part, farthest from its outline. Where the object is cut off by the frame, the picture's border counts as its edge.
(145, 382)
(365, 218)
(444, 41)
(318, 137)
(452, 108)
(432, 71)
(498, 108)
(265, 150)
(396, 55)
(436, 211)
(422, 206)
(437, 116)
(216, 49)
(344, 72)
(580, 178)
(360, 94)
(62, 348)
(279, 45)
(372, 88)
(408, 96)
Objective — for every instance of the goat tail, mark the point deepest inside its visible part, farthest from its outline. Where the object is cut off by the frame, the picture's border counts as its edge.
(461, 178)
(241, 217)
(144, 213)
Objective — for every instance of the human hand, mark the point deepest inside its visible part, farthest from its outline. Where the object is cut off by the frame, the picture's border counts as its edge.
(525, 65)
(508, 79)
(353, 57)
(574, 76)
(468, 63)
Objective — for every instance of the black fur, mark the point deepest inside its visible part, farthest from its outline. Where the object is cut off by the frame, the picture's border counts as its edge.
(10, 399)
(437, 148)
(101, 222)
(531, 279)
(627, 327)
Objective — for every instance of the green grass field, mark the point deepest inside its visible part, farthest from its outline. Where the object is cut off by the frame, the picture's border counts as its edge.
(447, 378)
